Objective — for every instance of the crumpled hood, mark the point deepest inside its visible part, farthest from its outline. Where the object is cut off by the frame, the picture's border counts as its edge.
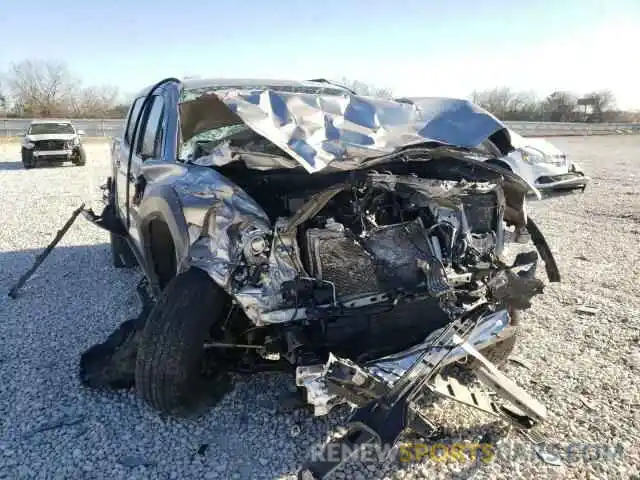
(318, 129)
(51, 136)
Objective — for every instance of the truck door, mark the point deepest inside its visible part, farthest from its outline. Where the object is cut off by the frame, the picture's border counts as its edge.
(121, 156)
(150, 146)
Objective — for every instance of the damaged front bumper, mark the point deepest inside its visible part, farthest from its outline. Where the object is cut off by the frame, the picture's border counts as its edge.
(385, 392)
(321, 384)
(53, 154)
(574, 178)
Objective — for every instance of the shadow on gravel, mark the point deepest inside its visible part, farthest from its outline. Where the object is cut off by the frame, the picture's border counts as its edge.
(72, 265)
(69, 273)
(54, 165)
(11, 166)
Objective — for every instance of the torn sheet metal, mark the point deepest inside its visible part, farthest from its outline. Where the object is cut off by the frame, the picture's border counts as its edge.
(219, 156)
(319, 129)
(284, 264)
(234, 241)
(225, 226)
(432, 189)
(390, 368)
(315, 130)
(230, 215)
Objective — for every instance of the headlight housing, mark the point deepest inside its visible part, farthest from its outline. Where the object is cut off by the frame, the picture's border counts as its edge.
(72, 143)
(28, 144)
(533, 156)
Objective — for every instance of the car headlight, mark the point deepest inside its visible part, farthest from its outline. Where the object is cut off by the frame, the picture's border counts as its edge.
(256, 246)
(72, 143)
(27, 144)
(533, 156)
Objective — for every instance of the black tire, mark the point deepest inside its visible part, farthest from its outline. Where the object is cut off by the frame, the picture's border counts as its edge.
(169, 373)
(80, 158)
(27, 159)
(121, 254)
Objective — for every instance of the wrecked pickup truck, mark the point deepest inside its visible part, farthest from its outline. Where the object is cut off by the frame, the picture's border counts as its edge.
(363, 244)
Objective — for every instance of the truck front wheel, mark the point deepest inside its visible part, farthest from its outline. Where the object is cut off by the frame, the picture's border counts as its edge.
(79, 157)
(169, 366)
(27, 159)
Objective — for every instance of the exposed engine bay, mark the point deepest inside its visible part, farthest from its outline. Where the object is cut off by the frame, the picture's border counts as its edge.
(374, 263)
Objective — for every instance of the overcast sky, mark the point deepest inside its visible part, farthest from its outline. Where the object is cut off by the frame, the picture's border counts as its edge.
(421, 47)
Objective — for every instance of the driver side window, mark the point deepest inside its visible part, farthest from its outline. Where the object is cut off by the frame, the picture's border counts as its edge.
(153, 132)
(148, 143)
(131, 123)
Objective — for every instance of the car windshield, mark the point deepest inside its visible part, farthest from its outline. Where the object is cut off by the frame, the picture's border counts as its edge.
(211, 138)
(45, 128)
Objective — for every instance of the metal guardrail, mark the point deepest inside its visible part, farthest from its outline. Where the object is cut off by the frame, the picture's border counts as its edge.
(546, 129)
(15, 127)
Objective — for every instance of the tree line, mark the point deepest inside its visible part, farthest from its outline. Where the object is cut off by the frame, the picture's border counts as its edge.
(37, 88)
(560, 106)
(510, 105)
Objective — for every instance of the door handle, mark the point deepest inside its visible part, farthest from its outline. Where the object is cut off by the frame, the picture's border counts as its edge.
(139, 186)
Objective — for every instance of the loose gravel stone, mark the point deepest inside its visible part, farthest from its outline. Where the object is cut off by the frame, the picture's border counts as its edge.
(77, 299)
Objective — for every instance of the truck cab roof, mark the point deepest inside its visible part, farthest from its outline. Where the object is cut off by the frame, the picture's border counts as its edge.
(196, 84)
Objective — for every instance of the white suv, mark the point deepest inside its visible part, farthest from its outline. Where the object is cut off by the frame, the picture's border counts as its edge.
(542, 164)
(52, 141)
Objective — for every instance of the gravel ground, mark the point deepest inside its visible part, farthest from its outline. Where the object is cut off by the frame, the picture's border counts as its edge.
(584, 366)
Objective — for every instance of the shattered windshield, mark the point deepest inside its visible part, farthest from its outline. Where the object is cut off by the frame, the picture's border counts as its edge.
(208, 141)
(50, 128)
